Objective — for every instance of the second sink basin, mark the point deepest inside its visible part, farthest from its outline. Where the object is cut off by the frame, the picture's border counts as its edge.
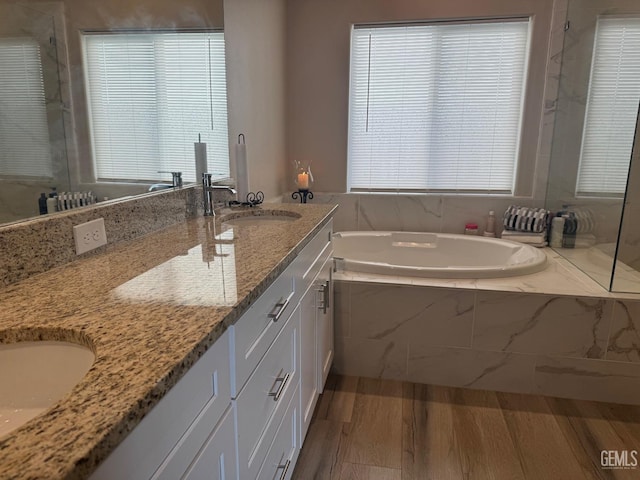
(259, 217)
(35, 375)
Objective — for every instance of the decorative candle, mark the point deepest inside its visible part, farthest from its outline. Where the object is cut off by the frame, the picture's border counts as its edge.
(303, 181)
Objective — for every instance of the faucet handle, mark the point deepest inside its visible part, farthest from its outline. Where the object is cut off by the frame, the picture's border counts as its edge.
(177, 177)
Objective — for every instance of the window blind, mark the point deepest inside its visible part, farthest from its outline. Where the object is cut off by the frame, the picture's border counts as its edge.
(150, 96)
(24, 132)
(436, 107)
(612, 108)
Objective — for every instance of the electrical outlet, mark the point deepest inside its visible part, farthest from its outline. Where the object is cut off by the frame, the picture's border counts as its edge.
(89, 235)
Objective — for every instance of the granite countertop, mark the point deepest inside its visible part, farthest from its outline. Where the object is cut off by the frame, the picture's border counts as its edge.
(148, 308)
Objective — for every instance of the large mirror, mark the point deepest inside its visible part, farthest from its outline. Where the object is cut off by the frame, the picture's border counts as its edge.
(100, 97)
(595, 123)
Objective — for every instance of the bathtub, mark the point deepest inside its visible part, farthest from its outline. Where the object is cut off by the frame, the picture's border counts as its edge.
(435, 255)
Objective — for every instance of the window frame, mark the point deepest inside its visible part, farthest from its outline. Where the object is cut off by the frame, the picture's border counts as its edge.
(87, 97)
(525, 117)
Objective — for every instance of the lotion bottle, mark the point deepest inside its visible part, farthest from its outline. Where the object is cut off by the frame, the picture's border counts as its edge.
(490, 230)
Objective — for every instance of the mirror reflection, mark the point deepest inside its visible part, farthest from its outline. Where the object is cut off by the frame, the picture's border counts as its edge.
(102, 100)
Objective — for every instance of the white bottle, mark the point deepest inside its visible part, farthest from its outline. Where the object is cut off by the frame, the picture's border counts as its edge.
(557, 227)
(52, 205)
(490, 231)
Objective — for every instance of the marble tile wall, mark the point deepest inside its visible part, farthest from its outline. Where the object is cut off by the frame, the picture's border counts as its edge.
(577, 347)
(421, 213)
(34, 246)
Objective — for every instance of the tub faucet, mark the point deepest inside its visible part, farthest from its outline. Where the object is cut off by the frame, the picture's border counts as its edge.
(208, 190)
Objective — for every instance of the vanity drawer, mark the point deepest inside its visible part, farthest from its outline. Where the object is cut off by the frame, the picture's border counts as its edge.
(203, 393)
(283, 454)
(260, 406)
(307, 264)
(254, 332)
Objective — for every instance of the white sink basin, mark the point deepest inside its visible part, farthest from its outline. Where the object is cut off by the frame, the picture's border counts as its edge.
(35, 375)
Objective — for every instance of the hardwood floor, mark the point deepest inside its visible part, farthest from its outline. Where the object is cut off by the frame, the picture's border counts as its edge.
(366, 429)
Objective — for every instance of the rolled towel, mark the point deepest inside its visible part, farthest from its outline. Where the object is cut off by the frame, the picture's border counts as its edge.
(525, 219)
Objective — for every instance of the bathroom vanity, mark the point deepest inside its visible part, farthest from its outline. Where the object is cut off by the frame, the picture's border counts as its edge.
(212, 342)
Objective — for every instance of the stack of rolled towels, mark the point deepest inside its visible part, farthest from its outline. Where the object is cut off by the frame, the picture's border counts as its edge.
(526, 225)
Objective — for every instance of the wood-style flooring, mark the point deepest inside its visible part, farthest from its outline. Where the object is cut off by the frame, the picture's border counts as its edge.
(389, 430)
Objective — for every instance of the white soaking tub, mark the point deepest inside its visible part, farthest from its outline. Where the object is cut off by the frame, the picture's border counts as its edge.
(435, 255)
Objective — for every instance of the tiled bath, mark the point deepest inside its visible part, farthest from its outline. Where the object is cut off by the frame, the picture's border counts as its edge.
(554, 333)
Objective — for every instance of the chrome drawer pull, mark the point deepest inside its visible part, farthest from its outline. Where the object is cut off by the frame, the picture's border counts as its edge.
(285, 468)
(279, 309)
(283, 383)
(324, 290)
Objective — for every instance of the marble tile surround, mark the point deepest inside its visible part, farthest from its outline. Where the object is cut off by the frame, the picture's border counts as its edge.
(582, 347)
(417, 212)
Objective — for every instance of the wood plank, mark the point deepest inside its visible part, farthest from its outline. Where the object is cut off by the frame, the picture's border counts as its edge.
(323, 451)
(539, 442)
(355, 471)
(428, 440)
(337, 400)
(588, 432)
(375, 437)
(482, 437)
(625, 419)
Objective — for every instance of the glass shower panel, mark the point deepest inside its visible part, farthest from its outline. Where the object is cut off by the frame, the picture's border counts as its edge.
(626, 273)
(592, 204)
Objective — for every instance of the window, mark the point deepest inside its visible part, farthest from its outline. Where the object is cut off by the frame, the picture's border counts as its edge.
(436, 107)
(612, 108)
(23, 111)
(150, 96)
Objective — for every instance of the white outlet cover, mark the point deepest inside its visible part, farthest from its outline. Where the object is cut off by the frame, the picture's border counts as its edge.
(89, 235)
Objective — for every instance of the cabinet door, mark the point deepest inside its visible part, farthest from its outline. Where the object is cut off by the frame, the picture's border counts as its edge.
(217, 458)
(324, 324)
(308, 358)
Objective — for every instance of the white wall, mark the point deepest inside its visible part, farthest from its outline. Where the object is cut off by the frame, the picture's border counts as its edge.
(255, 52)
(318, 49)
(318, 74)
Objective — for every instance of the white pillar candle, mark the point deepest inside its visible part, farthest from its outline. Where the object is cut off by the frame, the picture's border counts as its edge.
(200, 149)
(303, 181)
(242, 171)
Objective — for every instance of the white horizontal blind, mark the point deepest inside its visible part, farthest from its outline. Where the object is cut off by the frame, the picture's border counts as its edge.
(612, 107)
(24, 132)
(436, 107)
(150, 96)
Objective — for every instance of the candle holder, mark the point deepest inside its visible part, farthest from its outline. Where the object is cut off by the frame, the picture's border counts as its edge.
(303, 180)
(252, 200)
(303, 195)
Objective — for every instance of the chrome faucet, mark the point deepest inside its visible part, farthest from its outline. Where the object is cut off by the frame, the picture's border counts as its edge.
(177, 178)
(208, 190)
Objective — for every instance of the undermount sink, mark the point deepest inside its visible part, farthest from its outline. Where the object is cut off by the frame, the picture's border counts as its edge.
(35, 375)
(259, 217)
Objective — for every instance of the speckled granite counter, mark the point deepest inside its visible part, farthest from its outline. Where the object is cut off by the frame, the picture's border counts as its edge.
(149, 309)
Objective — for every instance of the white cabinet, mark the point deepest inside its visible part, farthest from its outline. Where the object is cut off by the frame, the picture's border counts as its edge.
(170, 437)
(316, 337)
(324, 323)
(216, 460)
(285, 448)
(262, 403)
(241, 412)
(308, 363)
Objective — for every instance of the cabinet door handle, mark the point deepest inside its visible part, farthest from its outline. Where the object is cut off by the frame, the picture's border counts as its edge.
(283, 383)
(285, 468)
(324, 290)
(279, 309)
